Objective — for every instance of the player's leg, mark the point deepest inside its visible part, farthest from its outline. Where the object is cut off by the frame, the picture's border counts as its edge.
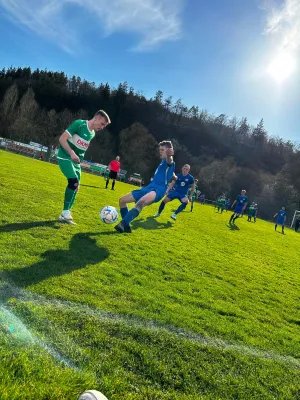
(231, 218)
(145, 200)
(192, 205)
(113, 184)
(276, 227)
(128, 198)
(184, 203)
(78, 174)
(166, 200)
(67, 167)
(237, 215)
(107, 182)
(282, 229)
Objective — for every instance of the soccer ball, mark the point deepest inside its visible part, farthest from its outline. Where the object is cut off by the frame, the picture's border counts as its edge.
(109, 215)
(92, 395)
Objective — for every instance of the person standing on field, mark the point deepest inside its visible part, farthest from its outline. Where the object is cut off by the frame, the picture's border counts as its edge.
(114, 168)
(74, 142)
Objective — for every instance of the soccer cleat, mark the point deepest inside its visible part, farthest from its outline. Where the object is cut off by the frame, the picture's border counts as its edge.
(127, 229)
(156, 215)
(173, 216)
(66, 220)
(120, 227)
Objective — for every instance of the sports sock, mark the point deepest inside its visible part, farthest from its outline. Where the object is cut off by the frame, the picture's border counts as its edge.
(131, 215)
(113, 184)
(69, 193)
(192, 206)
(107, 182)
(231, 218)
(161, 207)
(123, 211)
(180, 208)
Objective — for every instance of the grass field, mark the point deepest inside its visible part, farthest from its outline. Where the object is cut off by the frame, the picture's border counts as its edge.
(176, 310)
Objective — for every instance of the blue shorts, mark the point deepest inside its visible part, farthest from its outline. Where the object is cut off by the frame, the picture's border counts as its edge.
(280, 222)
(176, 195)
(160, 192)
(238, 209)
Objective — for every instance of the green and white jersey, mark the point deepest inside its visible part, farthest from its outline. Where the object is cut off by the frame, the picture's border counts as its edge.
(252, 210)
(79, 140)
(195, 193)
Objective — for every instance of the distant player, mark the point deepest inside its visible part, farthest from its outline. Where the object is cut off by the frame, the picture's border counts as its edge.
(152, 193)
(178, 189)
(73, 144)
(252, 212)
(195, 195)
(280, 220)
(202, 198)
(114, 168)
(221, 202)
(239, 205)
(227, 204)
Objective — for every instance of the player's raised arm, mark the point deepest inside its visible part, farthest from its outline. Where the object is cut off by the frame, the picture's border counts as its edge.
(234, 203)
(170, 153)
(63, 141)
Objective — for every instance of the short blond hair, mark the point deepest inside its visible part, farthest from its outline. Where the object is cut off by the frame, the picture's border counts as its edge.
(166, 143)
(104, 115)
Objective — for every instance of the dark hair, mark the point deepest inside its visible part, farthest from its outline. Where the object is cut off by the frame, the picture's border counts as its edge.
(104, 115)
(166, 143)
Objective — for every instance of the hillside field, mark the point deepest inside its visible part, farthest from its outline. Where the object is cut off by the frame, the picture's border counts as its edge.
(180, 310)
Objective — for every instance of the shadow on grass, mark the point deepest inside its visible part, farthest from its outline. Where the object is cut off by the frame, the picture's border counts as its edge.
(22, 226)
(89, 186)
(232, 227)
(82, 252)
(151, 223)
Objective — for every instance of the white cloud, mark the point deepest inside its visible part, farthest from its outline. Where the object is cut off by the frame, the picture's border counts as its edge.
(284, 22)
(152, 21)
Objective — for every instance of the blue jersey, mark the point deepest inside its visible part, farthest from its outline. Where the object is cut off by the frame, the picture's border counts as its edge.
(281, 217)
(163, 175)
(241, 201)
(183, 183)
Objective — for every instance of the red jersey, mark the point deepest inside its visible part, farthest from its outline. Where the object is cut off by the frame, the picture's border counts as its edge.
(114, 166)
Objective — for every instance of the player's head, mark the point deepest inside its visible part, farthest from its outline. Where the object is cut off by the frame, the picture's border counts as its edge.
(253, 203)
(185, 169)
(283, 208)
(118, 158)
(163, 148)
(243, 192)
(196, 180)
(100, 120)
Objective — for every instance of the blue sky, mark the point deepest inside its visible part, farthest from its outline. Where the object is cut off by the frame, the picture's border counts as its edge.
(215, 54)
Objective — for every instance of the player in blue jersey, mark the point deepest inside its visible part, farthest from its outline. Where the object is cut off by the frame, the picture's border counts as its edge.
(152, 193)
(239, 205)
(178, 189)
(280, 220)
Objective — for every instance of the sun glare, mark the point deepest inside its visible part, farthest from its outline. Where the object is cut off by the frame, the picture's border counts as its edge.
(282, 67)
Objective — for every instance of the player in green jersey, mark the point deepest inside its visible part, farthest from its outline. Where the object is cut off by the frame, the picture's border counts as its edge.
(221, 203)
(194, 196)
(252, 212)
(74, 142)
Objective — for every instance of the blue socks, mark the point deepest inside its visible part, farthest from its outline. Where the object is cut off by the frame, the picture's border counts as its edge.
(180, 208)
(123, 212)
(131, 215)
(161, 207)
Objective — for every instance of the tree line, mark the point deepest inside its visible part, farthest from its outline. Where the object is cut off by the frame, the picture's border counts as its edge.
(225, 154)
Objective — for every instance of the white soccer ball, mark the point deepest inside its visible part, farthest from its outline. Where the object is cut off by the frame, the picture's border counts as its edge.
(92, 395)
(109, 215)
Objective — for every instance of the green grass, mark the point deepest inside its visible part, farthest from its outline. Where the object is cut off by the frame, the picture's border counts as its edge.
(177, 310)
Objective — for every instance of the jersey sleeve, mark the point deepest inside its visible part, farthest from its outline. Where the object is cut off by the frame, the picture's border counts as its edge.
(73, 128)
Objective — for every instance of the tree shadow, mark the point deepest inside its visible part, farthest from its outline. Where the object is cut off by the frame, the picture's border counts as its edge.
(82, 252)
(151, 223)
(232, 227)
(22, 226)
